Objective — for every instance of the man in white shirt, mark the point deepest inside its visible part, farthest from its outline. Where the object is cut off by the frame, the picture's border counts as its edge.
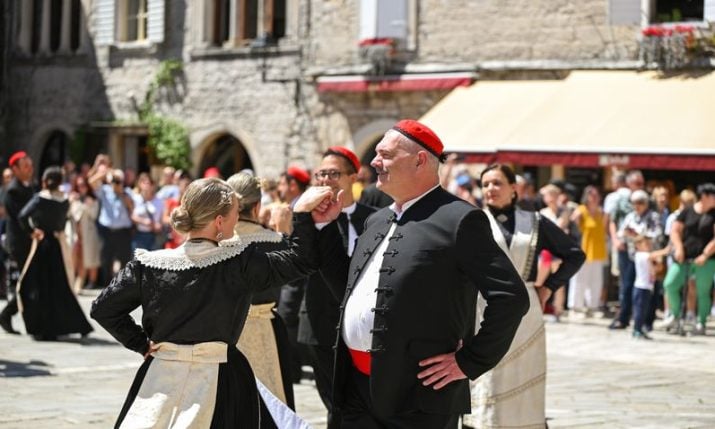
(405, 345)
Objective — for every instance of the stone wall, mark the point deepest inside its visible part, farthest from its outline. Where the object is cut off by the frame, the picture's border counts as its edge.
(265, 100)
(451, 31)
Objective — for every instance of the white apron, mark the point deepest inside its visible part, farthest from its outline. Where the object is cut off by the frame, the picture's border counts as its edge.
(179, 390)
(511, 395)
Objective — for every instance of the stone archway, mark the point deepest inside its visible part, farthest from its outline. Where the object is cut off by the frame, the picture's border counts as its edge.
(367, 137)
(55, 150)
(225, 152)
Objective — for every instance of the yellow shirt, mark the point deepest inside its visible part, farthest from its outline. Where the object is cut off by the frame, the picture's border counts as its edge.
(593, 234)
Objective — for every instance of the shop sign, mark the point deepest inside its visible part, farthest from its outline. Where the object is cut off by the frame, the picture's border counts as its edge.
(613, 160)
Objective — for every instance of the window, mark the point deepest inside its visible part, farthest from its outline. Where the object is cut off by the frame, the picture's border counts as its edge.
(49, 27)
(129, 21)
(75, 25)
(240, 22)
(633, 12)
(393, 21)
(55, 24)
(678, 11)
(36, 29)
(133, 21)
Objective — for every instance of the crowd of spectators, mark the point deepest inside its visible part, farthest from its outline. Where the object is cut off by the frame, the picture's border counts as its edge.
(114, 211)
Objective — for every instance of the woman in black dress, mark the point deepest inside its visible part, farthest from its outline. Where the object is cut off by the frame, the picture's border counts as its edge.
(49, 307)
(195, 301)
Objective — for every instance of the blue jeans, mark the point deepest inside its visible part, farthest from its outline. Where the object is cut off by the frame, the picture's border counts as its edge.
(625, 293)
(641, 303)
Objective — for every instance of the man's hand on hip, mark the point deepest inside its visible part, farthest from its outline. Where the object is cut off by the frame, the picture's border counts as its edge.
(442, 370)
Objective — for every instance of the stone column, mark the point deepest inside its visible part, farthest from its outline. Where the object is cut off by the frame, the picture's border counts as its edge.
(24, 39)
(204, 13)
(66, 26)
(234, 16)
(44, 47)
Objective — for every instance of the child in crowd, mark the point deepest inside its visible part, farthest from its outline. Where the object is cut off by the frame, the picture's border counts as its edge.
(644, 284)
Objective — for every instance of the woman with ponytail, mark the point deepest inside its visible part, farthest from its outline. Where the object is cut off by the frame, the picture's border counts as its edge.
(195, 300)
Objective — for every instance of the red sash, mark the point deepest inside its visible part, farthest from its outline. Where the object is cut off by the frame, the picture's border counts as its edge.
(361, 360)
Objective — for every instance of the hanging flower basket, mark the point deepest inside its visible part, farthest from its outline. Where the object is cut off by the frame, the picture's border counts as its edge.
(674, 47)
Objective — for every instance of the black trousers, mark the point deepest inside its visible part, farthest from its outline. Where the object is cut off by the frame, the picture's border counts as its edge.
(322, 359)
(357, 412)
(14, 263)
(116, 245)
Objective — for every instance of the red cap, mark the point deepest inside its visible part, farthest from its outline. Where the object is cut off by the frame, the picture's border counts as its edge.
(17, 156)
(345, 153)
(299, 174)
(423, 136)
(212, 172)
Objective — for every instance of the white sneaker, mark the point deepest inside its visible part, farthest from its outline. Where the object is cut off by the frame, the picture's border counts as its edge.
(669, 322)
(699, 329)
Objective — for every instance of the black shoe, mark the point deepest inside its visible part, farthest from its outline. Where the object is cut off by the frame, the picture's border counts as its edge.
(6, 325)
(616, 324)
(45, 337)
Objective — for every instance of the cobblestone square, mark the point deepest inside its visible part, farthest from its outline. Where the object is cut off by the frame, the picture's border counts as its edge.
(596, 379)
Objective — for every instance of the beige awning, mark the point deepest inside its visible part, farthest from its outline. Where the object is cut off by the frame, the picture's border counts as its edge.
(608, 115)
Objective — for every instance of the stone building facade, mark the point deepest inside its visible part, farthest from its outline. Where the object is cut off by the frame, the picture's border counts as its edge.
(266, 83)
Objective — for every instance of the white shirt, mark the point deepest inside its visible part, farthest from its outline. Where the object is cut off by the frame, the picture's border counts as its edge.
(644, 279)
(359, 317)
(352, 233)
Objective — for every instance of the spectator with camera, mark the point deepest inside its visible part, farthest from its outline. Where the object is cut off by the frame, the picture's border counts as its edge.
(114, 221)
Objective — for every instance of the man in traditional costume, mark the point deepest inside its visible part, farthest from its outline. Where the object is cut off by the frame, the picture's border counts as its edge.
(406, 342)
(17, 240)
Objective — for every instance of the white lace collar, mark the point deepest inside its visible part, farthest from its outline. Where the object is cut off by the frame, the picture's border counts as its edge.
(189, 255)
(249, 232)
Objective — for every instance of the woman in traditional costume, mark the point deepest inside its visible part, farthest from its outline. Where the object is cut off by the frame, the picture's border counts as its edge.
(264, 339)
(48, 304)
(512, 394)
(195, 300)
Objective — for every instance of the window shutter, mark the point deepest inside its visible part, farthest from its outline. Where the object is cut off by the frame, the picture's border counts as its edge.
(155, 21)
(392, 19)
(368, 19)
(105, 22)
(709, 10)
(382, 19)
(624, 12)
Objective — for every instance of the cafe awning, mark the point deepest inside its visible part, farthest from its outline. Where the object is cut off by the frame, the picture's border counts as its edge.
(590, 119)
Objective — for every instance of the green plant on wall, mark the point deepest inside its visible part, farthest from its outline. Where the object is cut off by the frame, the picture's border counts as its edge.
(77, 146)
(168, 138)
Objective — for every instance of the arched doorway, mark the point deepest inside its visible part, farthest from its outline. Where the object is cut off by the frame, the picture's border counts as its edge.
(226, 153)
(368, 155)
(55, 151)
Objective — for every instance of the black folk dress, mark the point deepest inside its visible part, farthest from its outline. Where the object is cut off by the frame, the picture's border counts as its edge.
(49, 306)
(197, 295)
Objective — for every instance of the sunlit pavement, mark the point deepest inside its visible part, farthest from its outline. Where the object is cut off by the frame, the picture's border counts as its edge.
(596, 379)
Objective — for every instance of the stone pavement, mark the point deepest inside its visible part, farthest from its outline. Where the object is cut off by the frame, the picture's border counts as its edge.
(597, 379)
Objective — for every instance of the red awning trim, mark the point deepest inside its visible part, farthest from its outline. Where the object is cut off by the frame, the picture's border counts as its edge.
(594, 160)
(412, 82)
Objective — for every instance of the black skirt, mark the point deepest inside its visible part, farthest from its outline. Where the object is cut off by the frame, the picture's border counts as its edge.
(50, 308)
(238, 403)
